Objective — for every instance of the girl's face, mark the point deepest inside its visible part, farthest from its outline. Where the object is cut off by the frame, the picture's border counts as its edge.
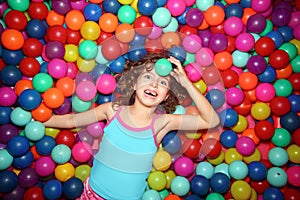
(152, 89)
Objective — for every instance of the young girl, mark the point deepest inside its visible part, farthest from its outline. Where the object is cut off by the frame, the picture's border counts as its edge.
(136, 123)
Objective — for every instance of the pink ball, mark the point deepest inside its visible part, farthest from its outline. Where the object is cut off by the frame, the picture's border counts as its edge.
(293, 174)
(176, 7)
(57, 68)
(192, 43)
(96, 129)
(184, 166)
(265, 92)
(44, 166)
(7, 96)
(205, 56)
(72, 70)
(234, 96)
(106, 84)
(193, 71)
(295, 19)
(245, 146)
(82, 152)
(78, 4)
(155, 33)
(233, 26)
(260, 5)
(190, 2)
(296, 32)
(86, 90)
(244, 42)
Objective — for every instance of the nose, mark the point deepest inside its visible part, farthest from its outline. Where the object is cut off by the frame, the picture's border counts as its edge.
(154, 83)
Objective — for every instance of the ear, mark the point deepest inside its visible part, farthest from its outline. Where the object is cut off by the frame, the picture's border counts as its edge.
(167, 96)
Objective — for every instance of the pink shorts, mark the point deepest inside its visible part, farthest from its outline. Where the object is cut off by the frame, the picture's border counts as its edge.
(88, 193)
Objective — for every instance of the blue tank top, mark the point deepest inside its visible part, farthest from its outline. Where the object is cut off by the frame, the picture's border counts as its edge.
(124, 160)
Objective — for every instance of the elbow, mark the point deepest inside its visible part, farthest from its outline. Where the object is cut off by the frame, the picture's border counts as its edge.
(215, 121)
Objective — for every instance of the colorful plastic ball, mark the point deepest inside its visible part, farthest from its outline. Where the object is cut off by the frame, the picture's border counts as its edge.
(214, 15)
(10, 75)
(63, 172)
(293, 173)
(273, 193)
(108, 22)
(42, 113)
(162, 160)
(279, 59)
(216, 98)
(111, 6)
(74, 19)
(244, 42)
(278, 156)
(53, 189)
(18, 146)
(240, 190)
(111, 49)
(184, 166)
(276, 37)
(238, 170)
(220, 182)
(15, 19)
(72, 188)
(228, 117)
(90, 30)
(106, 84)
(257, 171)
(294, 100)
(20, 117)
(211, 75)
(8, 181)
(12, 39)
(260, 111)
(264, 129)
(79, 105)
(86, 90)
(53, 97)
(7, 96)
(268, 76)
(151, 195)
(205, 169)
(256, 64)
(54, 49)
(296, 136)
(44, 166)
(234, 9)
(34, 193)
(157, 180)
(192, 43)
(29, 66)
(180, 186)
(264, 46)
(194, 17)
(256, 23)
(38, 10)
(161, 17)
(6, 159)
(81, 152)
(290, 121)
(281, 16)
(16, 193)
(293, 152)
(199, 185)
(281, 137)
(82, 172)
(265, 92)
(92, 12)
(245, 145)
(34, 130)
(277, 177)
(233, 26)
(211, 148)
(147, 7)
(30, 99)
(228, 138)
(172, 143)
(12, 57)
(45, 145)
(32, 47)
(126, 14)
(42, 82)
(23, 161)
(117, 65)
(218, 42)
(234, 96)
(57, 33)
(36, 29)
(27, 178)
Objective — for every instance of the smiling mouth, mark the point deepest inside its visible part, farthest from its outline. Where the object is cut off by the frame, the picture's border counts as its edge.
(150, 93)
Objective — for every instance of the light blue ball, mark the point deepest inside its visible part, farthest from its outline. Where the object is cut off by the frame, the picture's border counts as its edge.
(277, 177)
(61, 154)
(161, 17)
(278, 156)
(180, 186)
(80, 106)
(205, 169)
(238, 170)
(240, 58)
(20, 117)
(5, 159)
(34, 130)
(151, 195)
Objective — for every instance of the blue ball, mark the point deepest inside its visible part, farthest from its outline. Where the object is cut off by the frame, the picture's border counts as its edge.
(5, 114)
(246, 3)
(193, 197)
(138, 40)
(53, 189)
(228, 138)
(178, 52)
(220, 182)
(18, 145)
(105, 98)
(228, 117)
(111, 6)
(276, 36)
(10, 75)
(295, 102)
(117, 65)
(92, 12)
(171, 142)
(290, 121)
(257, 171)
(30, 99)
(234, 9)
(200, 185)
(136, 53)
(216, 98)
(181, 18)
(45, 145)
(73, 188)
(8, 181)
(273, 193)
(12, 57)
(147, 7)
(36, 28)
(99, 70)
(268, 76)
(286, 32)
(23, 161)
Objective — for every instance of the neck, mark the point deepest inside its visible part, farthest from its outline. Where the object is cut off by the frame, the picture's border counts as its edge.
(137, 107)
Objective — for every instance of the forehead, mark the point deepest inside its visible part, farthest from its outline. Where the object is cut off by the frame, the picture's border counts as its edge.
(153, 71)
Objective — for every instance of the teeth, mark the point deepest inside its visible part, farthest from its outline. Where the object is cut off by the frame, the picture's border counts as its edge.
(152, 93)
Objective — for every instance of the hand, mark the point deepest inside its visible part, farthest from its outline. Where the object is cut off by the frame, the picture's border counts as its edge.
(178, 73)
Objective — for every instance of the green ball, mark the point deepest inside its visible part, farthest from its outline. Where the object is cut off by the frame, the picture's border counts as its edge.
(291, 50)
(5, 158)
(88, 49)
(214, 196)
(277, 177)
(283, 87)
(296, 64)
(126, 14)
(161, 17)
(42, 82)
(80, 106)
(61, 154)
(20, 5)
(281, 137)
(34, 130)
(278, 156)
(163, 67)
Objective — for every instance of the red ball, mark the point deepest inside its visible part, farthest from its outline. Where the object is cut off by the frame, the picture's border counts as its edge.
(57, 33)
(211, 75)
(264, 130)
(291, 194)
(260, 186)
(143, 25)
(65, 137)
(38, 10)
(188, 30)
(244, 108)
(29, 66)
(279, 59)
(280, 105)
(294, 79)
(192, 148)
(231, 44)
(16, 20)
(111, 49)
(154, 46)
(73, 37)
(103, 36)
(32, 47)
(211, 148)
(296, 137)
(34, 193)
(230, 78)
(264, 46)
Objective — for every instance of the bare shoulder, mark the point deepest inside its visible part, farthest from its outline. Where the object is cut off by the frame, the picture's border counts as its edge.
(106, 110)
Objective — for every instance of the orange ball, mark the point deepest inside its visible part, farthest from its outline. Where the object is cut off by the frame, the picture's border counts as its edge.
(284, 73)
(192, 110)
(223, 60)
(108, 22)
(214, 15)
(74, 20)
(249, 132)
(66, 85)
(12, 39)
(172, 197)
(53, 98)
(248, 12)
(42, 113)
(22, 85)
(125, 33)
(248, 80)
(53, 18)
(170, 39)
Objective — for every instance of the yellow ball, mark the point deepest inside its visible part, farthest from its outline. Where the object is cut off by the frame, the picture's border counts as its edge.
(231, 155)
(85, 65)
(134, 6)
(170, 174)
(162, 160)
(90, 30)
(241, 190)
(71, 53)
(241, 124)
(296, 43)
(294, 153)
(201, 86)
(52, 132)
(256, 156)
(125, 2)
(157, 180)
(260, 111)
(218, 160)
(64, 172)
(82, 172)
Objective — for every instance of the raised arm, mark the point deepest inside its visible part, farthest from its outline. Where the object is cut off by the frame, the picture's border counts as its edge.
(73, 120)
(208, 118)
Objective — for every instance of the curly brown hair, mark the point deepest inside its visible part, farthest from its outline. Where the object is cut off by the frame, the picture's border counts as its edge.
(125, 92)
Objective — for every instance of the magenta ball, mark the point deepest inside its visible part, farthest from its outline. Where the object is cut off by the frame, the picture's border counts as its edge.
(245, 145)
(194, 17)
(256, 64)
(81, 152)
(176, 7)
(265, 92)
(57, 68)
(234, 96)
(86, 90)
(295, 19)
(204, 56)
(55, 49)
(194, 71)
(7, 96)
(244, 42)
(296, 32)
(192, 43)
(184, 166)
(256, 23)
(233, 26)
(260, 5)
(44, 166)
(218, 42)
(155, 33)
(96, 129)
(293, 174)
(106, 84)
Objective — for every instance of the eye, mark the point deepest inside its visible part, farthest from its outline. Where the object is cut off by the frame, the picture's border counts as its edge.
(164, 82)
(147, 76)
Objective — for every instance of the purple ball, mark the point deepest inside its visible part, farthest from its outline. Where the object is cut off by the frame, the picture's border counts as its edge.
(84, 76)
(7, 96)
(17, 193)
(27, 178)
(218, 42)
(256, 64)
(84, 136)
(281, 17)
(61, 6)
(206, 36)
(55, 49)
(194, 17)
(256, 23)
(7, 131)
(64, 108)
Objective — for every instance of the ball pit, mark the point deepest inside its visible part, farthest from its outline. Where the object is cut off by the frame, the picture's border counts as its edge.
(59, 57)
